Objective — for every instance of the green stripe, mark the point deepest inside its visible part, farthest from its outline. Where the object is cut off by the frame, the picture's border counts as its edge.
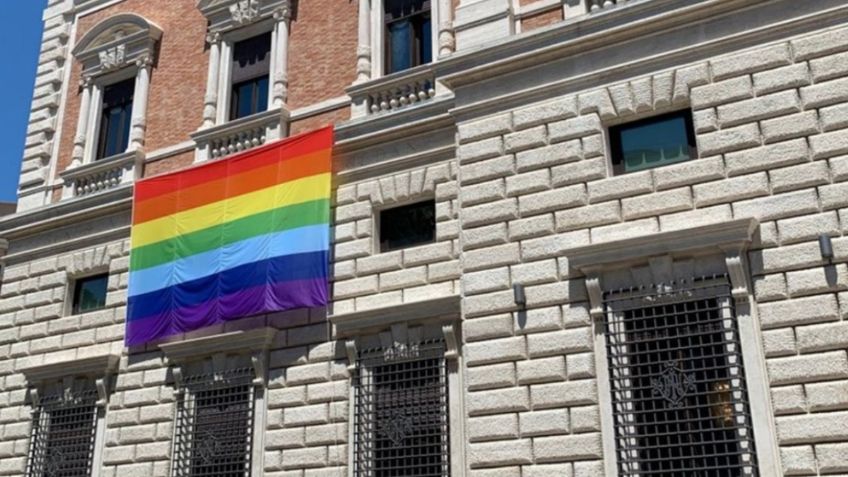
(275, 220)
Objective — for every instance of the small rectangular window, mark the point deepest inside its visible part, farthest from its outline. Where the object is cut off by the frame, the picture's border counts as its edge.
(653, 142)
(408, 225)
(401, 413)
(90, 293)
(115, 119)
(250, 76)
(63, 433)
(214, 428)
(408, 35)
(680, 401)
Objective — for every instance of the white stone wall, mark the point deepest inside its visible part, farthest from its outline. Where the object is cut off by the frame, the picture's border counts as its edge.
(44, 116)
(536, 181)
(364, 278)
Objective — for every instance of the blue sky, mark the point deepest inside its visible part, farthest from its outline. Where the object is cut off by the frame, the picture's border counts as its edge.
(20, 40)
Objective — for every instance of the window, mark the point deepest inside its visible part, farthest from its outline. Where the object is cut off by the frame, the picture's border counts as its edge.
(408, 35)
(64, 425)
(401, 412)
(653, 142)
(251, 66)
(115, 118)
(90, 293)
(408, 225)
(680, 402)
(214, 428)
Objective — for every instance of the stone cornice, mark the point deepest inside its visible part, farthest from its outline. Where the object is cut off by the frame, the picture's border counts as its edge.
(553, 61)
(226, 15)
(359, 321)
(119, 41)
(95, 367)
(717, 236)
(249, 341)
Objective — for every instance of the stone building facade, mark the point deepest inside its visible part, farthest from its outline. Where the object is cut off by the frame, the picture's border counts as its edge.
(560, 296)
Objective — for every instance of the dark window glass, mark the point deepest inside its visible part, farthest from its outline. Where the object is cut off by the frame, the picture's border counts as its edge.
(407, 225)
(90, 293)
(251, 64)
(214, 427)
(408, 35)
(115, 118)
(653, 142)
(63, 434)
(680, 404)
(401, 414)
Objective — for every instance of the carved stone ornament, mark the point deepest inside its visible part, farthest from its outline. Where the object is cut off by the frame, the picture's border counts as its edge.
(119, 41)
(245, 12)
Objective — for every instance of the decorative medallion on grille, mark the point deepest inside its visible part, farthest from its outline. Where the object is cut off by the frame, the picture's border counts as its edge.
(396, 426)
(673, 384)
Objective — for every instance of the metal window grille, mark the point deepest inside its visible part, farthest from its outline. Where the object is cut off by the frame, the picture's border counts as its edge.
(401, 412)
(214, 429)
(680, 404)
(63, 433)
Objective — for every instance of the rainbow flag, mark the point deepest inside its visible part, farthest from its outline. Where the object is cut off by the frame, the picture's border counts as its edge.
(231, 239)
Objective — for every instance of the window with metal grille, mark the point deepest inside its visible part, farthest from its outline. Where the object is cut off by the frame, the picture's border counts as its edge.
(214, 428)
(401, 412)
(680, 403)
(63, 434)
(408, 225)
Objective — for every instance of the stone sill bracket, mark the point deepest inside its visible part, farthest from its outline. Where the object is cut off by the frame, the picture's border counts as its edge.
(100, 368)
(254, 343)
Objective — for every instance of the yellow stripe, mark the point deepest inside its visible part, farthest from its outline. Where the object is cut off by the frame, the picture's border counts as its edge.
(217, 213)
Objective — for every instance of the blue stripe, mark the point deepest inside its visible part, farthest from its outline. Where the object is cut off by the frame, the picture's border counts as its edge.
(301, 266)
(312, 238)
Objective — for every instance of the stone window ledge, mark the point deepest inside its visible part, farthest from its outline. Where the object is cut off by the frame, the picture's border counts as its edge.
(106, 173)
(361, 321)
(241, 134)
(236, 341)
(98, 368)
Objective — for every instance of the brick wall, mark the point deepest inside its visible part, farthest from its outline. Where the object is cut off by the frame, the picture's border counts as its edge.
(178, 80)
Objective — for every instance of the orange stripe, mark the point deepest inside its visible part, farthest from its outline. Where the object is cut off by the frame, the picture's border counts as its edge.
(258, 157)
(231, 186)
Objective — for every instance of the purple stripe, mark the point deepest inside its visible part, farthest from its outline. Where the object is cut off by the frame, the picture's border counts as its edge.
(242, 304)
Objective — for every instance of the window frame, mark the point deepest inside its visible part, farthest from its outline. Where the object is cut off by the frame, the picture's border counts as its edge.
(103, 122)
(255, 78)
(617, 154)
(225, 85)
(378, 42)
(76, 290)
(416, 34)
(378, 222)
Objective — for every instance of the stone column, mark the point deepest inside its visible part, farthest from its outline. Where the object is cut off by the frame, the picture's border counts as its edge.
(446, 39)
(210, 100)
(139, 110)
(82, 124)
(280, 60)
(363, 49)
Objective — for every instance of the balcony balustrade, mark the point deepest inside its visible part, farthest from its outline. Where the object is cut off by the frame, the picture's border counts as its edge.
(394, 92)
(240, 135)
(101, 175)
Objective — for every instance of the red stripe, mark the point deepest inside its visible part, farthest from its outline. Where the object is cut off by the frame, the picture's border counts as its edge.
(261, 156)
